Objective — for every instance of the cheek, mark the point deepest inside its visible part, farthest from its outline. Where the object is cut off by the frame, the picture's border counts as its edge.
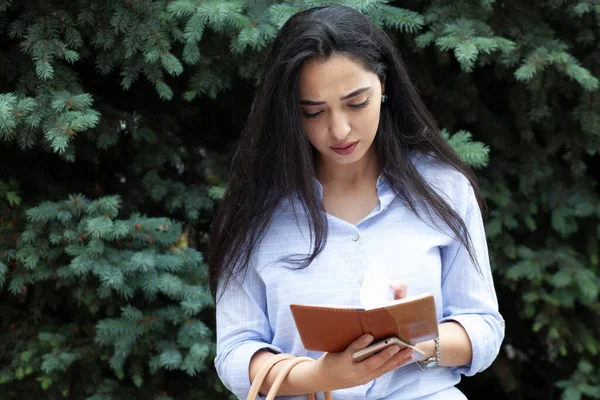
(369, 121)
(314, 132)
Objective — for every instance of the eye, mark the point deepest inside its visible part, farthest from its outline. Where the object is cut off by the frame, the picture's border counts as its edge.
(309, 115)
(361, 105)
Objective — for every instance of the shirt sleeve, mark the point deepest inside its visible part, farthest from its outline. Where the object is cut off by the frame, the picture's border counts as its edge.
(468, 292)
(242, 329)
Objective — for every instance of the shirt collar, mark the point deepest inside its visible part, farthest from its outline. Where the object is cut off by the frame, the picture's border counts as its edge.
(384, 191)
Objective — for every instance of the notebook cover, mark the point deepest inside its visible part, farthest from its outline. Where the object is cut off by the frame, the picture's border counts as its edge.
(332, 329)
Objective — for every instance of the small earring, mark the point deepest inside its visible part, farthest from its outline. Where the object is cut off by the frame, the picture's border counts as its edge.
(384, 98)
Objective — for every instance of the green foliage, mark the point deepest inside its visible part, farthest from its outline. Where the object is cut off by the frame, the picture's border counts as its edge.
(532, 101)
(474, 154)
(581, 384)
(129, 110)
(9, 193)
(463, 29)
(105, 265)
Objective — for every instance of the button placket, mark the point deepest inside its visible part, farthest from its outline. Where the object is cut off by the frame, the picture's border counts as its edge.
(359, 259)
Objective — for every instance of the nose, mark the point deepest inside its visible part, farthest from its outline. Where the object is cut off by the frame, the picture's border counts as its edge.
(339, 125)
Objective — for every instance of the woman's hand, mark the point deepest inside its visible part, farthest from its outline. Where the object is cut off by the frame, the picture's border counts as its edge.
(340, 371)
(335, 371)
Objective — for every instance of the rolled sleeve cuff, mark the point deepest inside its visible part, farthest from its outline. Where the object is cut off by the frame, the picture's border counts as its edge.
(233, 368)
(485, 333)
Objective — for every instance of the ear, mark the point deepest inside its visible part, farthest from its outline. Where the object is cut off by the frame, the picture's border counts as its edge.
(383, 84)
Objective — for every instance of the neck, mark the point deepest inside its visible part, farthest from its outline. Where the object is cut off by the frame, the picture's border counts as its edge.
(348, 177)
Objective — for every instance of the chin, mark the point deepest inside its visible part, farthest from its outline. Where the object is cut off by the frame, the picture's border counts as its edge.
(345, 160)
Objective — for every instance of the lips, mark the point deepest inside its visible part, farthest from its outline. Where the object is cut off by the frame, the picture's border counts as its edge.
(345, 149)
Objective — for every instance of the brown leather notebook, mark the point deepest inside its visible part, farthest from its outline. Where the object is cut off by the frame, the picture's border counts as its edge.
(332, 328)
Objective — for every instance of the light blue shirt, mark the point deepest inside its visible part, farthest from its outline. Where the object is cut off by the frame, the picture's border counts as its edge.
(256, 315)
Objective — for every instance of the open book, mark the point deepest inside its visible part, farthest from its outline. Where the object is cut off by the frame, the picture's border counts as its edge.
(332, 328)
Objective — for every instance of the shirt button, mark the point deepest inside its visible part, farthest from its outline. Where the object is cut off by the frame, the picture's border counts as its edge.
(355, 237)
(361, 282)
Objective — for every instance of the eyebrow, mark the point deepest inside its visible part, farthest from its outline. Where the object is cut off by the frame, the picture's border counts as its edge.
(346, 97)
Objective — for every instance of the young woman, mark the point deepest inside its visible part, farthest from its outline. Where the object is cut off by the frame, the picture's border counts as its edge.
(341, 163)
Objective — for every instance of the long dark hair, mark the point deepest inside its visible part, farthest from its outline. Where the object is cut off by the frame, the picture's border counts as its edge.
(274, 158)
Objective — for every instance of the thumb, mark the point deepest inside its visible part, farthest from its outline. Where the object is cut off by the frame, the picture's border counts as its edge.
(360, 343)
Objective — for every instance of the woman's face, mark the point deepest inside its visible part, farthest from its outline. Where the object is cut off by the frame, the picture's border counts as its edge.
(341, 103)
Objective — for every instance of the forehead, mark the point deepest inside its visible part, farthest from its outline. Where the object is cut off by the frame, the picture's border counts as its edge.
(334, 76)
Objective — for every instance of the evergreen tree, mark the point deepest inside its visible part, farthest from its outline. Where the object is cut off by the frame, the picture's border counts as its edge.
(117, 118)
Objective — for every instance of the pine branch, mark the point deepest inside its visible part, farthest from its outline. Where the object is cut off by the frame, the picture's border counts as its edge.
(474, 154)
(5, 5)
(400, 19)
(554, 53)
(222, 15)
(364, 6)
(3, 273)
(280, 13)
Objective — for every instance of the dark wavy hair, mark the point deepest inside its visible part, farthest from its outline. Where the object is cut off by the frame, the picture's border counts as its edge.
(274, 158)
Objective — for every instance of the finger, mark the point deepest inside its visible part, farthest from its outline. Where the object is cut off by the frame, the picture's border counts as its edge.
(399, 288)
(377, 360)
(395, 361)
(360, 343)
(406, 358)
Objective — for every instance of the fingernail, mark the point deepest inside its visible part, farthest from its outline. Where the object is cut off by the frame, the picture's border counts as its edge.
(393, 350)
(367, 338)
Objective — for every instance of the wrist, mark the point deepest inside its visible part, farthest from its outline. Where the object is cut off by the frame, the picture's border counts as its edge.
(428, 348)
(307, 378)
(434, 360)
